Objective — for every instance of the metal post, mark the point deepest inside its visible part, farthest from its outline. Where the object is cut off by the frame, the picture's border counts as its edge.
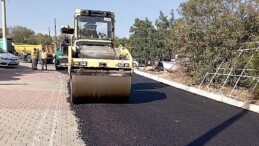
(215, 74)
(229, 74)
(4, 25)
(209, 73)
(203, 79)
(242, 72)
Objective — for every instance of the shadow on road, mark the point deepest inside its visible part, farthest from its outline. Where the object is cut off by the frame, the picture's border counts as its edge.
(140, 93)
(206, 137)
(12, 74)
(144, 93)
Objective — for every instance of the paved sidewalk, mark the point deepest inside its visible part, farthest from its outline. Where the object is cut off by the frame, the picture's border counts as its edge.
(34, 108)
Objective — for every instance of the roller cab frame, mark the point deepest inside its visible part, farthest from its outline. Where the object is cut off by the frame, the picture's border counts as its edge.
(61, 56)
(98, 70)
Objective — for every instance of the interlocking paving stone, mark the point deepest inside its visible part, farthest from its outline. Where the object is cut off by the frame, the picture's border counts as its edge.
(34, 108)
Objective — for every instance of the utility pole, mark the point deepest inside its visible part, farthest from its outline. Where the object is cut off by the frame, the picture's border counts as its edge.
(49, 32)
(4, 25)
(55, 26)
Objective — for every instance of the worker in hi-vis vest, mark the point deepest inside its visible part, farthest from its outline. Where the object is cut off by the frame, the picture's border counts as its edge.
(34, 59)
(44, 56)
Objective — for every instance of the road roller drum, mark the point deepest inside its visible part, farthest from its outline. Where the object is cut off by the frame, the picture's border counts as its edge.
(99, 88)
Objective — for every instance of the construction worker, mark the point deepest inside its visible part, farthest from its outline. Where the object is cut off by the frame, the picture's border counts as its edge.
(44, 56)
(33, 58)
(24, 55)
(37, 57)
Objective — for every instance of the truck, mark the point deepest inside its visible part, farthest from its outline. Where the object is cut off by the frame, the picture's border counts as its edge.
(10, 47)
(27, 48)
(98, 71)
(50, 49)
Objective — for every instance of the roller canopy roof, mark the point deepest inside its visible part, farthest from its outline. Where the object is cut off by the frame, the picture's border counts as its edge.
(95, 13)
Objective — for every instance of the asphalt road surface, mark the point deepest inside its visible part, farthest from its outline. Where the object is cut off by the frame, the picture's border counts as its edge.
(157, 114)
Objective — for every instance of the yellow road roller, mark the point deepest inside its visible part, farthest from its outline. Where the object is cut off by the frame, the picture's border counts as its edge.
(98, 71)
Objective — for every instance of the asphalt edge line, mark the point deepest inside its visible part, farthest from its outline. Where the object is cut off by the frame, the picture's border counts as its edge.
(217, 97)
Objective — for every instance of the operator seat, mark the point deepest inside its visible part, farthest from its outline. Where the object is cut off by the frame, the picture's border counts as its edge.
(91, 30)
(92, 33)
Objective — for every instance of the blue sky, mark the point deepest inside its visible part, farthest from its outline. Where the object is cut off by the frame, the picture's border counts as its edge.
(38, 15)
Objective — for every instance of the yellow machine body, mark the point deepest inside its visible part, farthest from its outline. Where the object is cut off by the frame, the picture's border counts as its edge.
(98, 70)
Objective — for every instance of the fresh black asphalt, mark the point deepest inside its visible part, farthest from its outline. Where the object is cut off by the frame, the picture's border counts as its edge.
(158, 115)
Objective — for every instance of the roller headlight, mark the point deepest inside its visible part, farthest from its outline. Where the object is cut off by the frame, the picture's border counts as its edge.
(126, 64)
(83, 63)
(123, 65)
(120, 65)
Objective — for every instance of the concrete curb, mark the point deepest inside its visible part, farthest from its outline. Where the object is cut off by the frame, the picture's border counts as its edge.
(220, 98)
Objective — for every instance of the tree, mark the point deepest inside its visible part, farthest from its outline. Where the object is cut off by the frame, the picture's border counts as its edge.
(122, 41)
(208, 29)
(142, 40)
(150, 42)
(172, 19)
(43, 39)
(163, 29)
(207, 33)
(7, 32)
(21, 34)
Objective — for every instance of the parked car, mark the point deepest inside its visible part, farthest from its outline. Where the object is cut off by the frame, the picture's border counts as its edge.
(8, 59)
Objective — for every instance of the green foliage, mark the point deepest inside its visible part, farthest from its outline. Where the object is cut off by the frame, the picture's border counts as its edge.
(149, 42)
(163, 31)
(122, 41)
(211, 29)
(256, 66)
(7, 32)
(23, 35)
(142, 39)
(43, 39)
